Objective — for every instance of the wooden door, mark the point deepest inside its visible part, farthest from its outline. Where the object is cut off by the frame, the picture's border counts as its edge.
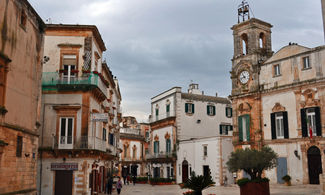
(281, 169)
(314, 164)
(63, 182)
(184, 171)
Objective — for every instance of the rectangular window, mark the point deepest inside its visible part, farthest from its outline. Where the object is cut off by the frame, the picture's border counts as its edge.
(69, 67)
(279, 125)
(168, 146)
(244, 127)
(223, 129)
(66, 129)
(19, 148)
(111, 138)
(277, 70)
(104, 134)
(211, 110)
(168, 110)
(168, 172)
(311, 121)
(189, 108)
(205, 151)
(157, 113)
(156, 147)
(306, 63)
(228, 112)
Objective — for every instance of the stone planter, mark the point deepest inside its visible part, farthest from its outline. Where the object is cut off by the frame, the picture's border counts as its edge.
(252, 188)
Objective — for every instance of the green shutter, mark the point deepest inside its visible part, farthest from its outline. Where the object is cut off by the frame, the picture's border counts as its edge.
(230, 112)
(214, 110)
(208, 110)
(155, 147)
(157, 111)
(240, 128)
(226, 111)
(192, 108)
(186, 107)
(167, 108)
(247, 127)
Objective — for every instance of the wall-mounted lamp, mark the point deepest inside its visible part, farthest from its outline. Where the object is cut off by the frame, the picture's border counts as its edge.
(296, 154)
(198, 121)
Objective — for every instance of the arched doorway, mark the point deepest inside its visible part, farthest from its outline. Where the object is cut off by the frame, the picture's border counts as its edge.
(184, 171)
(314, 164)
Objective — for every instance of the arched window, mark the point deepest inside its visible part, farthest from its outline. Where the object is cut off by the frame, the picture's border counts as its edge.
(244, 44)
(261, 40)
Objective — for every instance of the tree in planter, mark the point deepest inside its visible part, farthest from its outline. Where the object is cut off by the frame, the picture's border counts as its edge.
(252, 161)
(198, 183)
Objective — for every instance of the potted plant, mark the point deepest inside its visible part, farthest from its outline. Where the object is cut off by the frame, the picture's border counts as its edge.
(253, 162)
(287, 180)
(197, 183)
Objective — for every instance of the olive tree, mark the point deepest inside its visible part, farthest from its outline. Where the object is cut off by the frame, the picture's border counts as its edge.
(252, 161)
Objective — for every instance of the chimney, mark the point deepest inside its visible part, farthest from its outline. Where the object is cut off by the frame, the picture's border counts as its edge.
(323, 14)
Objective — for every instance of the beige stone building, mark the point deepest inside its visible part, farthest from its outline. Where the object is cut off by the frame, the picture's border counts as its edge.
(80, 113)
(134, 142)
(21, 52)
(278, 100)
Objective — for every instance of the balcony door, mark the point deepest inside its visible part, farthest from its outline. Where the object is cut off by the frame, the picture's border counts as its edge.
(69, 64)
(66, 133)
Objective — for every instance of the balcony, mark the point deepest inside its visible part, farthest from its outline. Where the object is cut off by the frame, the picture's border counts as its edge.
(82, 143)
(161, 157)
(162, 116)
(54, 81)
(130, 131)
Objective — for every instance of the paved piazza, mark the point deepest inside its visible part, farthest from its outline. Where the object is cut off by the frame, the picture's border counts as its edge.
(145, 189)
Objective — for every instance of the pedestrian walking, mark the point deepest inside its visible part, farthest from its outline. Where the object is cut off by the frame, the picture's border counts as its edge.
(109, 185)
(134, 179)
(128, 179)
(225, 181)
(119, 185)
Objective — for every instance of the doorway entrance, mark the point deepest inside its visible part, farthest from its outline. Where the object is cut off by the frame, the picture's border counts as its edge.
(281, 169)
(63, 182)
(184, 171)
(314, 164)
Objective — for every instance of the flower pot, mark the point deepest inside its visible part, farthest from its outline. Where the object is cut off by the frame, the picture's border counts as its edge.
(253, 188)
(287, 183)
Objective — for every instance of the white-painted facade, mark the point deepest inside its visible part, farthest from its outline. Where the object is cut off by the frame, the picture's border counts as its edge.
(173, 121)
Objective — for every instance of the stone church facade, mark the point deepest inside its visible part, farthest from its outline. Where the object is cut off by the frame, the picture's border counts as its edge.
(278, 100)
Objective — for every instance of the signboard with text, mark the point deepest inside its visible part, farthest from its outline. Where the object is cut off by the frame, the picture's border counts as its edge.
(102, 117)
(64, 166)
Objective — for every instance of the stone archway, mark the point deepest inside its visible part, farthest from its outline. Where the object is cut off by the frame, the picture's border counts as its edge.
(184, 171)
(314, 164)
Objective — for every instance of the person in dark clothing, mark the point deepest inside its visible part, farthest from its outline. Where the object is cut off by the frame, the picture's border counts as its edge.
(134, 179)
(118, 186)
(109, 185)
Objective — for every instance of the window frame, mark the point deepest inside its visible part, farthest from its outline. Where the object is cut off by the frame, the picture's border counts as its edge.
(205, 150)
(211, 110)
(189, 108)
(276, 70)
(19, 146)
(304, 67)
(66, 145)
(228, 111)
(279, 125)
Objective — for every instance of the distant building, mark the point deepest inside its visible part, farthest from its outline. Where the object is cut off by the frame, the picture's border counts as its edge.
(278, 100)
(132, 142)
(21, 54)
(187, 130)
(80, 113)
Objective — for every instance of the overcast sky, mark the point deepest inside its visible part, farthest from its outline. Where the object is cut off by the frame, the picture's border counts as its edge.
(154, 45)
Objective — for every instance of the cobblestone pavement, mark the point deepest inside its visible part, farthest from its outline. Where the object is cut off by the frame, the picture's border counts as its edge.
(146, 189)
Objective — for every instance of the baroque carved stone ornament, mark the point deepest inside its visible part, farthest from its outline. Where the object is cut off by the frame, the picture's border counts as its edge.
(278, 108)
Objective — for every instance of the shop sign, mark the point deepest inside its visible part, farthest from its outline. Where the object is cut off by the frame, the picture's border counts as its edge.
(64, 166)
(103, 117)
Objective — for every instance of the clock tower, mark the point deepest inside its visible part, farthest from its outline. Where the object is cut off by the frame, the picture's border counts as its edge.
(252, 46)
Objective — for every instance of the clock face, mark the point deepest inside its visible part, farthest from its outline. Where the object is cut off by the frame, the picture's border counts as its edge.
(244, 77)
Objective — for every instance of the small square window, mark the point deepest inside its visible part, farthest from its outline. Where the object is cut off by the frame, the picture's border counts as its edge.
(277, 71)
(306, 62)
(205, 150)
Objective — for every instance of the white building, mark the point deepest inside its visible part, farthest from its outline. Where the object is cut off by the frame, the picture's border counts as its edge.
(184, 122)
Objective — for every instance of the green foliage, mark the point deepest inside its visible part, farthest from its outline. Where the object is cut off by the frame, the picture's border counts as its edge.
(286, 178)
(197, 183)
(161, 180)
(142, 179)
(252, 161)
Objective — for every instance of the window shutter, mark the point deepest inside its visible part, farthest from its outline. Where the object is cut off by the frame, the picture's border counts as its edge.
(226, 127)
(208, 110)
(220, 129)
(318, 122)
(155, 147)
(230, 128)
(247, 127)
(230, 112)
(214, 110)
(192, 108)
(285, 125)
(186, 107)
(157, 111)
(303, 123)
(226, 111)
(273, 128)
(240, 128)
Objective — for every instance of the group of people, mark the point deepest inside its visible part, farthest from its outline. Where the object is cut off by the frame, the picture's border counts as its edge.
(127, 179)
(109, 185)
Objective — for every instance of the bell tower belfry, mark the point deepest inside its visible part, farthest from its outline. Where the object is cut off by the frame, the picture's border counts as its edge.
(252, 47)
